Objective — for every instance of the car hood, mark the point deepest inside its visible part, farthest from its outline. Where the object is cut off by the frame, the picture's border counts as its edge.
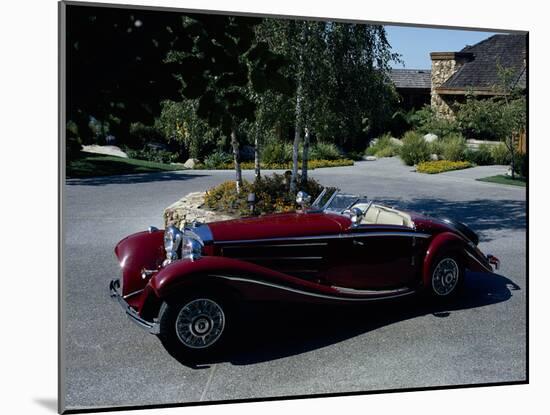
(282, 225)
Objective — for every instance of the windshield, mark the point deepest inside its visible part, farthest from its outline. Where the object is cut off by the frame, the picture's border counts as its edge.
(331, 200)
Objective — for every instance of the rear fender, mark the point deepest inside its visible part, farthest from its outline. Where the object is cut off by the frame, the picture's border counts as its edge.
(450, 243)
(446, 242)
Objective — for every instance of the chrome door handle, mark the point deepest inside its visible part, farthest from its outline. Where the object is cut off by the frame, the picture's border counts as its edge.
(355, 242)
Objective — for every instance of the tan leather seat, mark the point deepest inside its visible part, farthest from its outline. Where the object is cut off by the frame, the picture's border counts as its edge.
(382, 215)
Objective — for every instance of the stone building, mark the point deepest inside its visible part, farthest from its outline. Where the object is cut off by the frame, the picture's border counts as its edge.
(475, 70)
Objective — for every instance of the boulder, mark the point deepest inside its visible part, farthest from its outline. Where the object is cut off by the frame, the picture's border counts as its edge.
(190, 163)
(434, 157)
(370, 158)
(429, 138)
(190, 208)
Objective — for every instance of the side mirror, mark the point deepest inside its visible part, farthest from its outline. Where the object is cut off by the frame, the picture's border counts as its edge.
(356, 216)
(303, 199)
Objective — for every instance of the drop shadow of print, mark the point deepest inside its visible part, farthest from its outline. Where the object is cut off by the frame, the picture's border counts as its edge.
(270, 331)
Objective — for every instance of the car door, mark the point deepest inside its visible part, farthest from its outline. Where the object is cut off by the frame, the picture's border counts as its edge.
(371, 257)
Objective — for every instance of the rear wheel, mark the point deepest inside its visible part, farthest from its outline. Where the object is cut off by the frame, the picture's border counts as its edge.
(195, 327)
(447, 277)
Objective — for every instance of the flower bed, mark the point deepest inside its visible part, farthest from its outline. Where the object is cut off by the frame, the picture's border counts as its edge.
(312, 164)
(271, 192)
(440, 166)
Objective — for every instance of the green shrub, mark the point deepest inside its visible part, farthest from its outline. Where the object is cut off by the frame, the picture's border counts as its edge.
(453, 147)
(481, 156)
(217, 160)
(521, 165)
(426, 120)
(276, 152)
(414, 149)
(151, 154)
(383, 147)
(140, 134)
(440, 166)
(272, 195)
(477, 117)
(355, 155)
(436, 147)
(500, 154)
(324, 151)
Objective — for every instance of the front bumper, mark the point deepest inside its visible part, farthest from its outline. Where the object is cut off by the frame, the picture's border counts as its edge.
(151, 327)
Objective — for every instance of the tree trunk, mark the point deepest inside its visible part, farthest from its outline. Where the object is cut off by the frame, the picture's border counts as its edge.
(297, 133)
(513, 157)
(237, 160)
(257, 168)
(305, 156)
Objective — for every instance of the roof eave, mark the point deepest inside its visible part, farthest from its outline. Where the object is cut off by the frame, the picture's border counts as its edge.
(468, 91)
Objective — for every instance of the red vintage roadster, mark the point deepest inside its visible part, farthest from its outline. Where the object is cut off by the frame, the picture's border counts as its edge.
(184, 284)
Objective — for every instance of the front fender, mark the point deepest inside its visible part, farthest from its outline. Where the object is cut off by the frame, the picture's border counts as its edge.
(470, 256)
(213, 271)
(136, 252)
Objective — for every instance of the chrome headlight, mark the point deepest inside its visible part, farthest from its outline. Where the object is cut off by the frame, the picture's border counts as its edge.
(172, 241)
(191, 247)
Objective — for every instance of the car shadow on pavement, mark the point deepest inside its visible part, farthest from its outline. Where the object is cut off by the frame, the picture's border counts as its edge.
(131, 178)
(481, 214)
(272, 331)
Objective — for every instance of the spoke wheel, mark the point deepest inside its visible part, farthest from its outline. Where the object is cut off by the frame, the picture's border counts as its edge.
(446, 276)
(197, 327)
(200, 323)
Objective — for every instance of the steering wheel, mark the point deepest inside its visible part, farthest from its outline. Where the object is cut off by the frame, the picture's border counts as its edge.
(348, 211)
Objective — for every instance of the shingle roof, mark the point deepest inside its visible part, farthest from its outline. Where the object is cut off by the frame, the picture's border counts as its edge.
(482, 72)
(411, 78)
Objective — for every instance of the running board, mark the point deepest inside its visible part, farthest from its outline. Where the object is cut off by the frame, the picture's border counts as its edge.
(360, 295)
(373, 293)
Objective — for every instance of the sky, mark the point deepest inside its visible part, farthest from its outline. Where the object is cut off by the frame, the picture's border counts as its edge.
(415, 43)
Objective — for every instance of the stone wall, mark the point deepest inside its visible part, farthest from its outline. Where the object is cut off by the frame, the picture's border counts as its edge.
(441, 71)
(190, 208)
(444, 65)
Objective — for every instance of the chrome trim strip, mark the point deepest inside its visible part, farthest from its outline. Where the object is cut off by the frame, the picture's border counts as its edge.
(277, 258)
(281, 245)
(478, 261)
(320, 237)
(132, 294)
(345, 290)
(297, 291)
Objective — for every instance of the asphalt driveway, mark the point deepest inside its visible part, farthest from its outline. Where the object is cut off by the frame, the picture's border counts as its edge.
(479, 339)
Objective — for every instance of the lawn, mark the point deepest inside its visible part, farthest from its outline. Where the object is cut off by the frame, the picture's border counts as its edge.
(502, 179)
(91, 164)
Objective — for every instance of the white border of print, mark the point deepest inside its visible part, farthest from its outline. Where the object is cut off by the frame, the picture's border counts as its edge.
(29, 194)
